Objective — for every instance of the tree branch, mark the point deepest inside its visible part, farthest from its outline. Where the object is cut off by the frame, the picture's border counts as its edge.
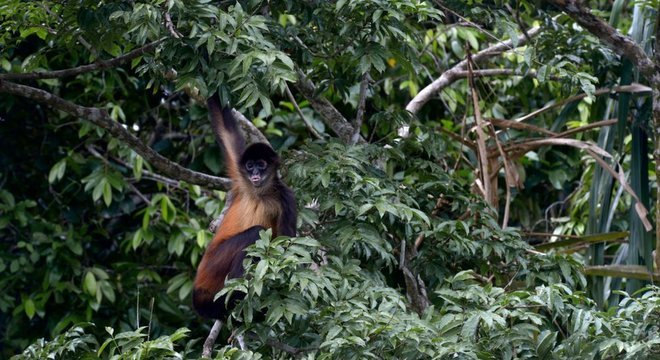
(330, 115)
(207, 349)
(101, 64)
(362, 103)
(451, 75)
(101, 118)
(632, 88)
(309, 125)
(250, 132)
(490, 189)
(170, 26)
(415, 287)
(620, 44)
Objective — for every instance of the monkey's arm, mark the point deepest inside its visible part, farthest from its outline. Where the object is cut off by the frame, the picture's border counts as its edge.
(227, 134)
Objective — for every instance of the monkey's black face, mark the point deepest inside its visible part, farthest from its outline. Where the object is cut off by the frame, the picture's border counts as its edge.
(259, 164)
(257, 171)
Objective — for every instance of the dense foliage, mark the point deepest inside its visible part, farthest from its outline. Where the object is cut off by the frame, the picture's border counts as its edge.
(401, 253)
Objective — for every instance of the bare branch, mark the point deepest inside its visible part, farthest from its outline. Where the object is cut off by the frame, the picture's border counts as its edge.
(622, 271)
(309, 125)
(250, 132)
(511, 177)
(620, 44)
(597, 153)
(207, 349)
(490, 192)
(632, 88)
(101, 118)
(330, 115)
(415, 287)
(170, 26)
(509, 124)
(498, 72)
(593, 125)
(362, 102)
(101, 64)
(451, 75)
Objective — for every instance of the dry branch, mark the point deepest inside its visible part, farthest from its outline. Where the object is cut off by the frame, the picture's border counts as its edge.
(207, 349)
(309, 125)
(99, 65)
(362, 102)
(330, 115)
(415, 287)
(622, 271)
(620, 44)
(490, 192)
(249, 131)
(455, 73)
(632, 88)
(101, 118)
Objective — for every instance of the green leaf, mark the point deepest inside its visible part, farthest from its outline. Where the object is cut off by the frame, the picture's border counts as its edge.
(545, 344)
(89, 283)
(201, 238)
(137, 167)
(30, 308)
(469, 330)
(275, 315)
(185, 289)
(137, 239)
(57, 171)
(107, 194)
(210, 45)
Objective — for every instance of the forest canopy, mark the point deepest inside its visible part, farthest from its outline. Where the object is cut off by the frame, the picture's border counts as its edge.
(474, 180)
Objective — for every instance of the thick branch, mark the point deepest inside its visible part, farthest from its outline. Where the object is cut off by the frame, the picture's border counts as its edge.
(415, 287)
(451, 75)
(330, 115)
(622, 271)
(250, 132)
(101, 118)
(362, 102)
(620, 44)
(101, 64)
(207, 349)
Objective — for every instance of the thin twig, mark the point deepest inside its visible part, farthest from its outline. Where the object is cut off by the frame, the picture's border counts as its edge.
(632, 88)
(362, 102)
(509, 124)
(308, 124)
(593, 125)
(328, 112)
(98, 155)
(99, 65)
(481, 138)
(102, 119)
(451, 75)
(508, 175)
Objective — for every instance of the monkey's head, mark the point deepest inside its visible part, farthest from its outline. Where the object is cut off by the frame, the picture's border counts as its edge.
(259, 164)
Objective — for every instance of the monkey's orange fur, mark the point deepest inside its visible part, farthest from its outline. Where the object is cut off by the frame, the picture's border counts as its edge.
(253, 208)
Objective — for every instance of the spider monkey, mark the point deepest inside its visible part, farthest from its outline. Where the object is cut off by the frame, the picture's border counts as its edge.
(260, 200)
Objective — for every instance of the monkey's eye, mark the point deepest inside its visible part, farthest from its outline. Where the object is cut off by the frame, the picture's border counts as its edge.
(261, 164)
(249, 165)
